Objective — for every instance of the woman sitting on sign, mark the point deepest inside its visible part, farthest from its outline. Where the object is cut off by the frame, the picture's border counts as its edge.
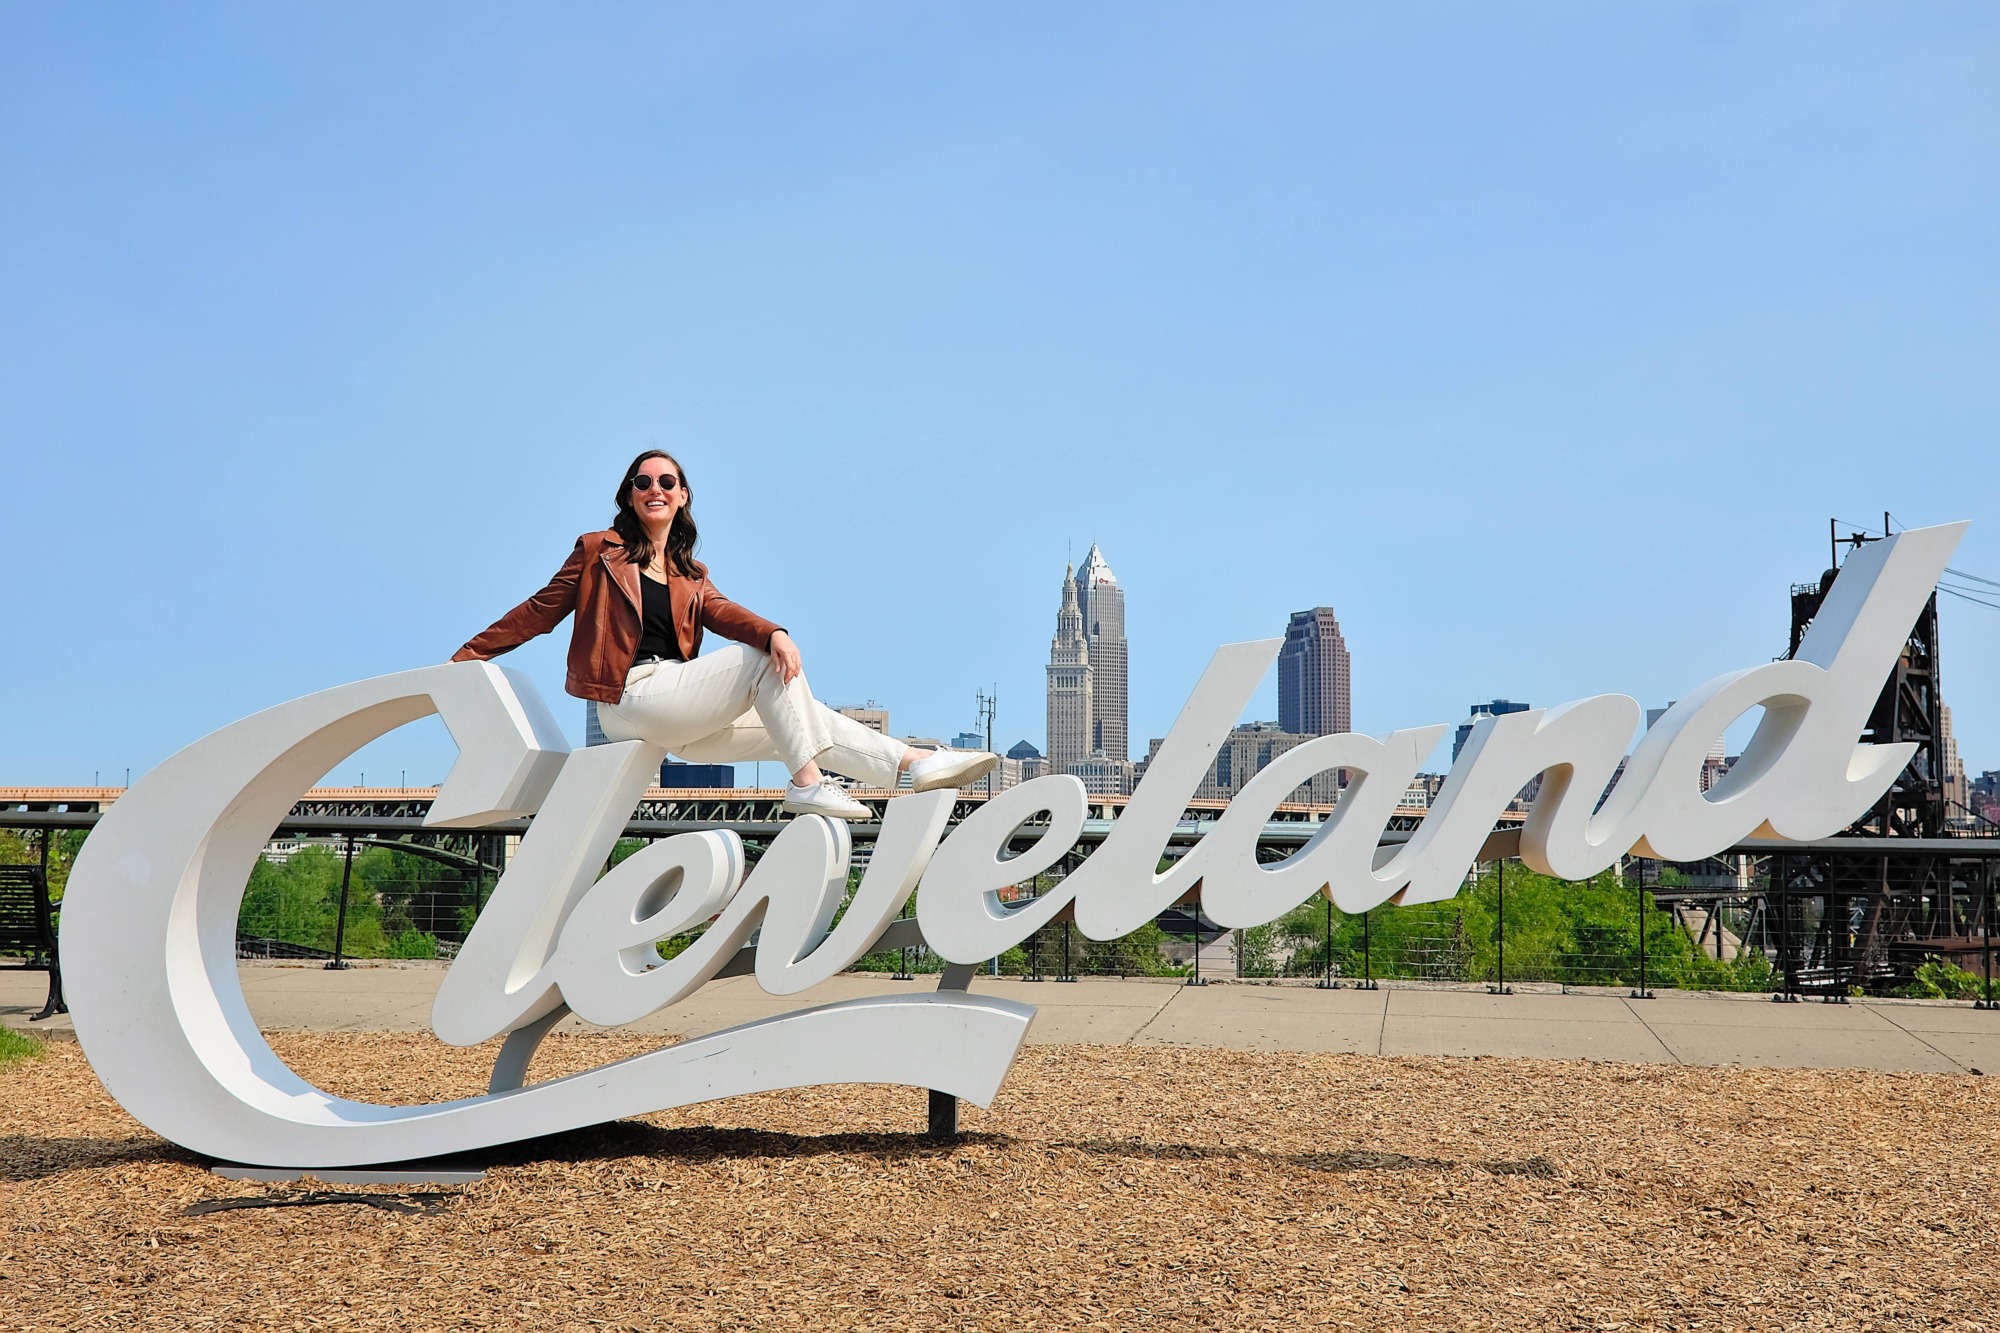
(641, 602)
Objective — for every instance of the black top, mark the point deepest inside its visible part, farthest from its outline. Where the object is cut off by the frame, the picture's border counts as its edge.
(656, 633)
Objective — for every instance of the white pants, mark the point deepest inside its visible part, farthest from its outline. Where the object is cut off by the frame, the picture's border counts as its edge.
(729, 707)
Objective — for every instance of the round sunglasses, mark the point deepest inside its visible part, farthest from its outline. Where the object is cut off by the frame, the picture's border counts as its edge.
(668, 481)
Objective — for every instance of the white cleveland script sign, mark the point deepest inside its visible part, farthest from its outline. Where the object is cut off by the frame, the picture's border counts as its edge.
(149, 921)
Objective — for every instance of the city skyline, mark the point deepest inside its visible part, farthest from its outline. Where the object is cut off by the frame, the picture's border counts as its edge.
(1088, 684)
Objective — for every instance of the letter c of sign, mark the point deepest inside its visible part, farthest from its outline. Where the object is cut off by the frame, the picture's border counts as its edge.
(149, 953)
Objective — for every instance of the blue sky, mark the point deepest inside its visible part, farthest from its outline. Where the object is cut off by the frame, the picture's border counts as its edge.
(1541, 341)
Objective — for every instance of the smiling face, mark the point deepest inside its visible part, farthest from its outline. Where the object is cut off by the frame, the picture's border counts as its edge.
(656, 493)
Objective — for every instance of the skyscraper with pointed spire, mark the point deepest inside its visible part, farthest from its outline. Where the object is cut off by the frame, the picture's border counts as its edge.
(1102, 603)
(1069, 683)
(1089, 731)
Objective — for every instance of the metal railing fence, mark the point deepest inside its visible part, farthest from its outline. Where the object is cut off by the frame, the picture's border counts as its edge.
(1828, 923)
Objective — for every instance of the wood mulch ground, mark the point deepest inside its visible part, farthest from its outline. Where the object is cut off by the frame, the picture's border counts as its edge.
(1109, 1187)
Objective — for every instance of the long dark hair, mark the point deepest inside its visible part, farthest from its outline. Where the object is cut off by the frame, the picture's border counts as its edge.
(681, 537)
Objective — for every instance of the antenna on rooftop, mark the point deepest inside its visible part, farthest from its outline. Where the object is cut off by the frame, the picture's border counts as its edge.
(988, 704)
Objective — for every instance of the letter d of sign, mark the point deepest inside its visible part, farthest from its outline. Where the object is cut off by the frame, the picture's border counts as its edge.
(149, 942)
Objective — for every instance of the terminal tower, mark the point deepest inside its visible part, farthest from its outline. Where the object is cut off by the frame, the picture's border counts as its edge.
(1087, 713)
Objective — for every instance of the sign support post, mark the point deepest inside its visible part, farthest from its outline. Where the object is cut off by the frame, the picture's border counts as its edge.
(339, 964)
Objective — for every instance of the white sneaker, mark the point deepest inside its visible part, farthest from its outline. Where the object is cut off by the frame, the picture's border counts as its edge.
(824, 798)
(950, 768)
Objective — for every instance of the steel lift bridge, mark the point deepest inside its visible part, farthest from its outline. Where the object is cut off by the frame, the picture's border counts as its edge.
(1912, 880)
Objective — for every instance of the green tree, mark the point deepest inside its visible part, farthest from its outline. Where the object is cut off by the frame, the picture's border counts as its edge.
(419, 893)
(1256, 949)
(294, 900)
(392, 897)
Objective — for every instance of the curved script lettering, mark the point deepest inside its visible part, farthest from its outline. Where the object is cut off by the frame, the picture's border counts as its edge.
(149, 944)
(149, 920)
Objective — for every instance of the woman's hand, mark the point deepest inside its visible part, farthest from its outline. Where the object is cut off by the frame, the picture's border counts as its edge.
(785, 656)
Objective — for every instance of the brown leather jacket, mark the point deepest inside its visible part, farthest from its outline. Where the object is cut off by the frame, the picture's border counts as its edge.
(602, 588)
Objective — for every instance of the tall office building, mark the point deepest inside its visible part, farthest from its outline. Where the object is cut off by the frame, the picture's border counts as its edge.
(1102, 604)
(1069, 684)
(1314, 690)
(1957, 791)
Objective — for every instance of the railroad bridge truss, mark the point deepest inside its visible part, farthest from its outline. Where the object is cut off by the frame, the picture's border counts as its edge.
(1914, 879)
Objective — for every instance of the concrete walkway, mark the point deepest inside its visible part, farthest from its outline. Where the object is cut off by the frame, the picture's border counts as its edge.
(1676, 1027)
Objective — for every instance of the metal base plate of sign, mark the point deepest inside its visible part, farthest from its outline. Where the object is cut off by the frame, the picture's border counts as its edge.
(409, 1173)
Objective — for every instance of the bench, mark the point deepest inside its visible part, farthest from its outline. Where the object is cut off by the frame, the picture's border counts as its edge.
(28, 927)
